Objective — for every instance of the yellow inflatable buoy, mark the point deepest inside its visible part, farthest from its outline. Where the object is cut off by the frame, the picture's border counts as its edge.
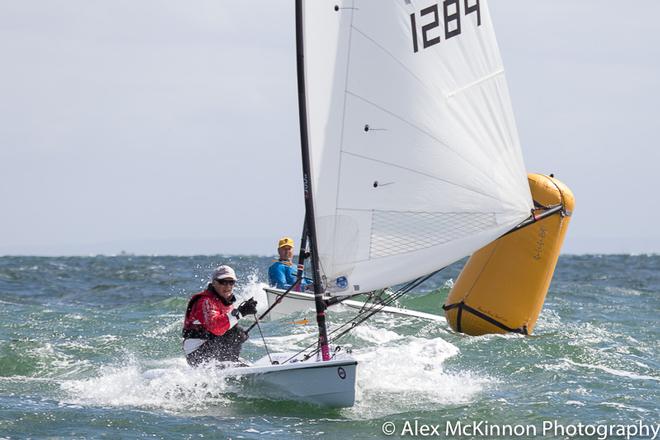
(503, 285)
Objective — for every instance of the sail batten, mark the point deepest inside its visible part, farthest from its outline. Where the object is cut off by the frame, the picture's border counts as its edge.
(419, 129)
(475, 83)
(415, 157)
(422, 173)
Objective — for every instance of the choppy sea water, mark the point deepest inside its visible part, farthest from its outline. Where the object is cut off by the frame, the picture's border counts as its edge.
(90, 348)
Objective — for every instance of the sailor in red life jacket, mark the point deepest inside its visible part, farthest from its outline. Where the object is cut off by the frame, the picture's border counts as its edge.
(210, 329)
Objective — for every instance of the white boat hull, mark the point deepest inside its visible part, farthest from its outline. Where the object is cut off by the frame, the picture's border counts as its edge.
(293, 302)
(330, 383)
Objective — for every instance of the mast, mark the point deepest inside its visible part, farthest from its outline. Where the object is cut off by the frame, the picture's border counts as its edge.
(307, 185)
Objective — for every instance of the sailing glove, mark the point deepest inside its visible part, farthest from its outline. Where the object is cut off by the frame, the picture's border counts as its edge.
(248, 307)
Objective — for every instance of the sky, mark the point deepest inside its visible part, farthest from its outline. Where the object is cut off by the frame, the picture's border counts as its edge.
(170, 127)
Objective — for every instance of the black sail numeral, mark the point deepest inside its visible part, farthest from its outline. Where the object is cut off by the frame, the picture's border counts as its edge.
(428, 42)
(451, 19)
(469, 9)
(413, 26)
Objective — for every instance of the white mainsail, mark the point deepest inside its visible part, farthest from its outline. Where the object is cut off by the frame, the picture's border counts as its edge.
(415, 156)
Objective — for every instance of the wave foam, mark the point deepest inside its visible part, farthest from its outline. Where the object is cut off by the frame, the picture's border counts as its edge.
(172, 385)
(410, 374)
(613, 371)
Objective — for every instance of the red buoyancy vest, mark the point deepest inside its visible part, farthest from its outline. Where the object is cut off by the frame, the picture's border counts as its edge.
(206, 316)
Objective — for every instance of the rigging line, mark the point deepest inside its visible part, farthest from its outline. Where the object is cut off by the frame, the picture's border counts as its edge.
(277, 301)
(376, 307)
(371, 296)
(354, 322)
(315, 343)
(399, 293)
(421, 130)
(561, 195)
(256, 321)
(421, 173)
(363, 316)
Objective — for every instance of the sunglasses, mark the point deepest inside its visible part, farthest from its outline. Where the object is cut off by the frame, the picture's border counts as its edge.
(226, 282)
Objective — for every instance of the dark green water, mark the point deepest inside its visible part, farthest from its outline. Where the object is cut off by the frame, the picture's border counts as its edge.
(90, 348)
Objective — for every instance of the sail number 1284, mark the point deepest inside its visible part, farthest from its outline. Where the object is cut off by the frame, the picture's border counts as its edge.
(429, 19)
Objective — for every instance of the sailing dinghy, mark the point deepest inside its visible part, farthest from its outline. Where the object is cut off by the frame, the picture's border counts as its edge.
(411, 161)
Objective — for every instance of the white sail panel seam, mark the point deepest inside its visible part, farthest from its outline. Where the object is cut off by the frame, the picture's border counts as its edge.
(423, 84)
(421, 173)
(421, 130)
(475, 83)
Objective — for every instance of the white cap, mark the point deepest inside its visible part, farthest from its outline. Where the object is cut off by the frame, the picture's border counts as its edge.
(223, 272)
